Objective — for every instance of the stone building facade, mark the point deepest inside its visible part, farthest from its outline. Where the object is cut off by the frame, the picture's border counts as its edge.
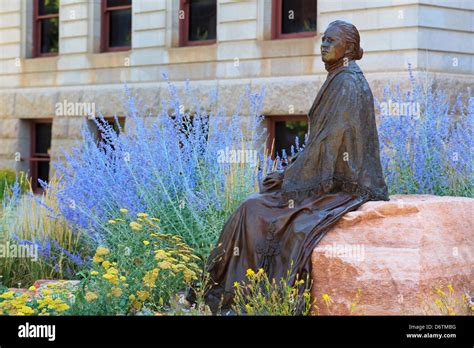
(435, 36)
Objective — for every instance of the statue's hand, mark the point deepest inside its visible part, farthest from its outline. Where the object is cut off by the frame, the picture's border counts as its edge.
(272, 181)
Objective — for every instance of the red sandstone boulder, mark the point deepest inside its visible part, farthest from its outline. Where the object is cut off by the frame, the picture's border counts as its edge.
(44, 283)
(394, 254)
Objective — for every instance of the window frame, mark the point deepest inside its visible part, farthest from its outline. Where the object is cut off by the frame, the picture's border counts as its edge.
(277, 23)
(36, 157)
(271, 121)
(184, 28)
(105, 27)
(37, 18)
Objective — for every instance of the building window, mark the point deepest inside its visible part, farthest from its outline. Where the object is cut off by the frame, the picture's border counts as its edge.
(283, 131)
(116, 25)
(197, 22)
(293, 18)
(40, 147)
(45, 28)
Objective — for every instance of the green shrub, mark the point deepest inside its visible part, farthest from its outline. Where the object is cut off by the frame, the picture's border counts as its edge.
(139, 270)
(52, 299)
(34, 223)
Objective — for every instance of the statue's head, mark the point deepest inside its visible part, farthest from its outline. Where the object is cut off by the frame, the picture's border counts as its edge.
(341, 39)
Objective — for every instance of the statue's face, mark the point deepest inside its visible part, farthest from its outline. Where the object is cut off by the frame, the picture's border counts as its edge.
(333, 46)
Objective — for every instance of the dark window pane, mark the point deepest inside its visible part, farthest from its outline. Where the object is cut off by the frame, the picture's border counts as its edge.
(49, 35)
(285, 134)
(43, 170)
(113, 3)
(47, 7)
(202, 20)
(42, 137)
(298, 16)
(120, 31)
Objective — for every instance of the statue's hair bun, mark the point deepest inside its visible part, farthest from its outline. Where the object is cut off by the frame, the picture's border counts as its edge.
(351, 35)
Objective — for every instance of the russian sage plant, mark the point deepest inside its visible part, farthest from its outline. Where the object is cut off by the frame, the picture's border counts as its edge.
(189, 165)
(426, 141)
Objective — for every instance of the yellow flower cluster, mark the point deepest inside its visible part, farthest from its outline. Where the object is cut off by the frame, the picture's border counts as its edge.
(249, 309)
(150, 278)
(259, 295)
(111, 273)
(178, 262)
(50, 300)
(56, 304)
(15, 305)
(171, 260)
(135, 226)
(143, 295)
(443, 299)
(251, 274)
(91, 296)
(178, 259)
(327, 299)
(116, 291)
(108, 271)
(99, 253)
(112, 276)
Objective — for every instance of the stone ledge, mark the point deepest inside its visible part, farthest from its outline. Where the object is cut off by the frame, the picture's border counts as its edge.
(396, 252)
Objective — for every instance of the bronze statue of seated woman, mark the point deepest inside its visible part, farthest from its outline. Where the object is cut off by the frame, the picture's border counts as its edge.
(338, 170)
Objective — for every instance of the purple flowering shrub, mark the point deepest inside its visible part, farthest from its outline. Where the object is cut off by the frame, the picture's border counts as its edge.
(175, 166)
(192, 165)
(426, 141)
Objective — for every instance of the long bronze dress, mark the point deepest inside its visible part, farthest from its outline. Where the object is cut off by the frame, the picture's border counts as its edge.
(338, 171)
